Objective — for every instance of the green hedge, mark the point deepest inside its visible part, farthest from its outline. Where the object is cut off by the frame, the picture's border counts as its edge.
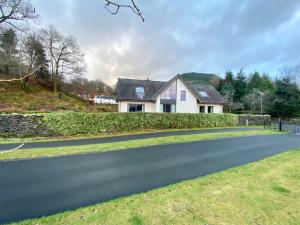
(254, 119)
(73, 123)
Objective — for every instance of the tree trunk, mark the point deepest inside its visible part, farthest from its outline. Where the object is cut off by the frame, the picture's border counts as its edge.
(25, 82)
(55, 82)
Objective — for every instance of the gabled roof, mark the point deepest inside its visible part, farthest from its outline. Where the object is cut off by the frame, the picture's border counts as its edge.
(126, 90)
(164, 87)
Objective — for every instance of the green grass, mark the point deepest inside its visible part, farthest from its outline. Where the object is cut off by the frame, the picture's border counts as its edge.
(114, 146)
(266, 192)
(5, 140)
(36, 98)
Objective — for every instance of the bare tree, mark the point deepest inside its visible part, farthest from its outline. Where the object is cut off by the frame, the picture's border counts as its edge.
(13, 11)
(65, 56)
(291, 73)
(114, 8)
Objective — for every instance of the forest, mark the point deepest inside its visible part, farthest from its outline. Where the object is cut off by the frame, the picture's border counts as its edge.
(43, 55)
(258, 93)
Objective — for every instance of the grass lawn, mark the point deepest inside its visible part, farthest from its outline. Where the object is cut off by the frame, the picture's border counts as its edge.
(114, 146)
(6, 140)
(266, 192)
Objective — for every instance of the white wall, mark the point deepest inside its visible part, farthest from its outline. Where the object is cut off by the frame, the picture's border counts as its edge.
(217, 108)
(190, 104)
(157, 104)
(149, 106)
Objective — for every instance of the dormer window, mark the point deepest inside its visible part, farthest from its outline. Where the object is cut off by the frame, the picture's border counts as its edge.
(140, 92)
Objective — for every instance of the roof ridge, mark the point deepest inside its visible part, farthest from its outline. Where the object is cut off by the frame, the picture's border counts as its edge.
(141, 80)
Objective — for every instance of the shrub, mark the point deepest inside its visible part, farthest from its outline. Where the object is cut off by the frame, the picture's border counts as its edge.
(73, 123)
(61, 107)
(254, 119)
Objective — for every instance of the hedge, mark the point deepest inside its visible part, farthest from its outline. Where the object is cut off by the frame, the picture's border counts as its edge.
(73, 123)
(254, 119)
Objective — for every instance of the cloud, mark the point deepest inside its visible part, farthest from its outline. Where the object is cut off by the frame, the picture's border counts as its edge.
(203, 36)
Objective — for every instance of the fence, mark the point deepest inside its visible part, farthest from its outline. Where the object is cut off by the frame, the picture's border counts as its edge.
(284, 126)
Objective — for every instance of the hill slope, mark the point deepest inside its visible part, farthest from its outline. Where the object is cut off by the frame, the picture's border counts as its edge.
(13, 98)
(201, 78)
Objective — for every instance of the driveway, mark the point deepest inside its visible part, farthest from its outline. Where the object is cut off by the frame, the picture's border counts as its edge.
(39, 187)
(101, 140)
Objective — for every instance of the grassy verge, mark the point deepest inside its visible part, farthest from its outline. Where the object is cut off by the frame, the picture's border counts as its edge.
(62, 138)
(264, 192)
(114, 146)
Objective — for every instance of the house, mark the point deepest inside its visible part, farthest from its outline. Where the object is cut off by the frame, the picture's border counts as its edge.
(177, 96)
(101, 99)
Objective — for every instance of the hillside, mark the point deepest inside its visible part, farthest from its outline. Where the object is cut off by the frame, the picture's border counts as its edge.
(13, 98)
(201, 78)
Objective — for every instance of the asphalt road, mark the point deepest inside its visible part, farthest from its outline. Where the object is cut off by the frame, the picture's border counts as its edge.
(39, 187)
(101, 140)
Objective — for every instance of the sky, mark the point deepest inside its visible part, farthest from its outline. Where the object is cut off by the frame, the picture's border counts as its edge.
(209, 36)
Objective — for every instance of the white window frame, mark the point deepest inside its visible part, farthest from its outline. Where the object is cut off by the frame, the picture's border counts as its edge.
(143, 107)
(212, 109)
(203, 107)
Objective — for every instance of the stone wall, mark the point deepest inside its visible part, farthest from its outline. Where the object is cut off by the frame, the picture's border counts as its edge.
(254, 119)
(16, 125)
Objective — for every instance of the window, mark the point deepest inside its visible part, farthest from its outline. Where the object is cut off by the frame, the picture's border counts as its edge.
(183, 95)
(135, 108)
(167, 108)
(140, 93)
(203, 94)
(202, 109)
(210, 109)
(170, 93)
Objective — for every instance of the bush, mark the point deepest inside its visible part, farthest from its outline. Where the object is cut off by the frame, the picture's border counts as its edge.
(73, 123)
(254, 119)
(61, 107)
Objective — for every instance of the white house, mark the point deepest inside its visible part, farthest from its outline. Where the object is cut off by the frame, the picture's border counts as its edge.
(101, 99)
(175, 96)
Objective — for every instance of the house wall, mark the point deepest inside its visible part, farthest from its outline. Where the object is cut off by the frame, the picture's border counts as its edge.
(217, 108)
(148, 106)
(157, 104)
(190, 104)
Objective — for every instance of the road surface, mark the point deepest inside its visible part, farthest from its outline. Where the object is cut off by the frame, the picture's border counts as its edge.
(40, 187)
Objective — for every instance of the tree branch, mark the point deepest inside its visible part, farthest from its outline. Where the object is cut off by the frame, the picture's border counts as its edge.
(22, 78)
(117, 6)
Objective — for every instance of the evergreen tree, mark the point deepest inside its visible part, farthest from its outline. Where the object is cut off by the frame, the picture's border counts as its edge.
(229, 77)
(240, 86)
(285, 102)
(266, 83)
(36, 58)
(8, 45)
(255, 82)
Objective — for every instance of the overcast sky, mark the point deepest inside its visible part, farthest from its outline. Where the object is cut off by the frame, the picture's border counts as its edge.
(179, 36)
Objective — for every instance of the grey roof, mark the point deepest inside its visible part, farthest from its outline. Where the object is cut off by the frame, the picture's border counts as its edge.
(126, 90)
(105, 97)
(213, 96)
